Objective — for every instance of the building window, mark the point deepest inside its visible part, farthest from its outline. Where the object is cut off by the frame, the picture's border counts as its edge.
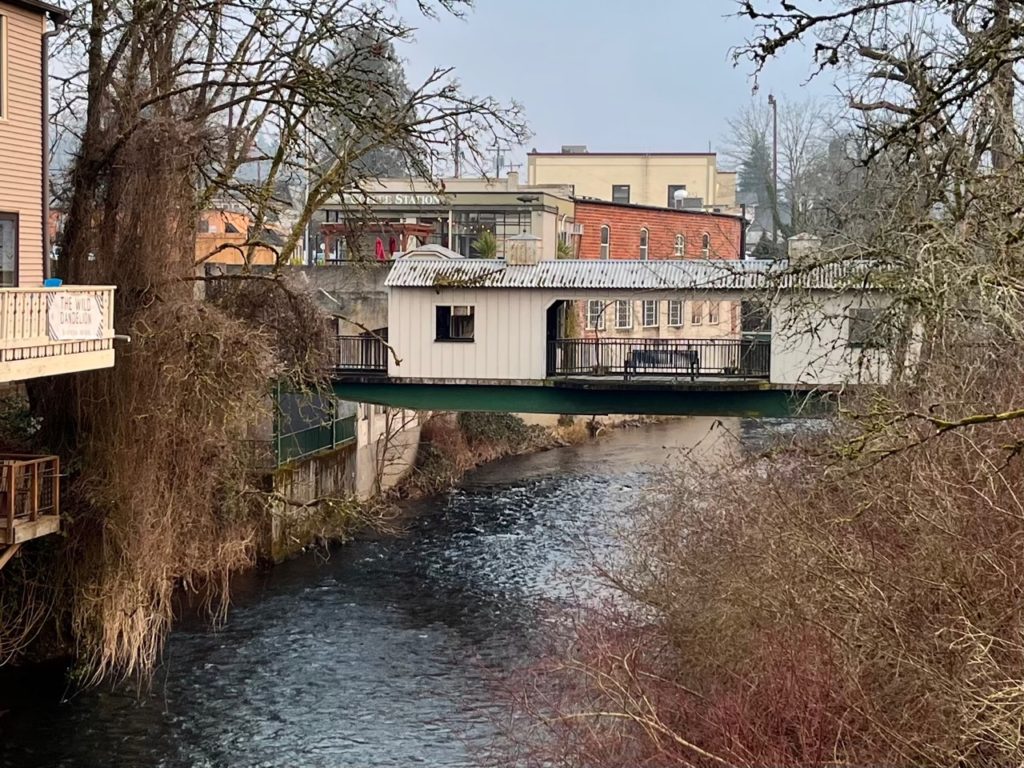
(675, 313)
(454, 323)
(864, 328)
(676, 195)
(8, 250)
(713, 308)
(705, 244)
(650, 314)
(645, 237)
(680, 246)
(696, 312)
(606, 242)
(620, 193)
(204, 225)
(595, 315)
(623, 314)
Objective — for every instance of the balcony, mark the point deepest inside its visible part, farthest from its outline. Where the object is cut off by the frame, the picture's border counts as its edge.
(29, 497)
(49, 331)
(674, 358)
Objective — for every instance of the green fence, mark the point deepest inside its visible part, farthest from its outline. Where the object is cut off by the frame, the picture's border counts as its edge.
(308, 423)
(310, 441)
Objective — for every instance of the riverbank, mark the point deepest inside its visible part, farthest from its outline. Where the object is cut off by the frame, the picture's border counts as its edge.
(386, 651)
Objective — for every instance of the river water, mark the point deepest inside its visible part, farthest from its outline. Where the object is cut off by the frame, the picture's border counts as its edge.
(385, 652)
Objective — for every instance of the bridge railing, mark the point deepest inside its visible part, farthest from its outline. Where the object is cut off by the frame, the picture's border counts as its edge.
(361, 354)
(694, 358)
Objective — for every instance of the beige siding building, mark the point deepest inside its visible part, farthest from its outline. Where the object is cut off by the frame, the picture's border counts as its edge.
(44, 329)
(646, 178)
(21, 144)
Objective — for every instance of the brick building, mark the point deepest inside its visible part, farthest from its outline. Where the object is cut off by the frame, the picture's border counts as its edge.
(638, 232)
(617, 231)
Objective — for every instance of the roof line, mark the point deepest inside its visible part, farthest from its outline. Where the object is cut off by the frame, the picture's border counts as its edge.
(622, 154)
(55, 12)
(659, 208)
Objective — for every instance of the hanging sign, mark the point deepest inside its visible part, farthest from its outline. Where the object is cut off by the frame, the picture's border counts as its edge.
(74, 316)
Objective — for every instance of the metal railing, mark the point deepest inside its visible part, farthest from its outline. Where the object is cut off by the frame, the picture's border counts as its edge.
(29, 489)
(694, 358)
(361, 354)
(303, 443)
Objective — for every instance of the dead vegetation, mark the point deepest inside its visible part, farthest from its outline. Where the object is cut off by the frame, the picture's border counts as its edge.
(814, 606)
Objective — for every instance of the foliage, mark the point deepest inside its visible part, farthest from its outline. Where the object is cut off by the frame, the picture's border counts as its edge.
(506, 429)
(453, 444)
(566, 250)
(818, 605)
(486, 245)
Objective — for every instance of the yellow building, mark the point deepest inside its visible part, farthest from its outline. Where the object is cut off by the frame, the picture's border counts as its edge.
(666, 179)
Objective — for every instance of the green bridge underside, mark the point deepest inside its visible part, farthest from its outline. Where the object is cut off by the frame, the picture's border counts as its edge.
(584, 398)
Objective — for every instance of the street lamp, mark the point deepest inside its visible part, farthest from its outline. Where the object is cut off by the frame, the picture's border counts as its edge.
(775, 172)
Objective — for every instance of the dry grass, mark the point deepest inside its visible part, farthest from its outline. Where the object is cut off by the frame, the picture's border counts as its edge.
(853, 599)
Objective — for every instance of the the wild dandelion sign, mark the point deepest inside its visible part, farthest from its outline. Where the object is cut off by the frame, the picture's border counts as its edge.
(74, 316)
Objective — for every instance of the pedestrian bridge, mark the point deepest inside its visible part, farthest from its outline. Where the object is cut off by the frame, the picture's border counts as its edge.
(485, 335)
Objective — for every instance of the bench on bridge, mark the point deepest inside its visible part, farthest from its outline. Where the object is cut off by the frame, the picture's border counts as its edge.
(666, 360)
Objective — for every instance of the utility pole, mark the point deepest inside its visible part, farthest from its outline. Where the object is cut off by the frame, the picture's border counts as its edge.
(775, 173)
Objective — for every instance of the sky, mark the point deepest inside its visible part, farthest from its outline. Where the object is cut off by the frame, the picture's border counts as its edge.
(630, 75)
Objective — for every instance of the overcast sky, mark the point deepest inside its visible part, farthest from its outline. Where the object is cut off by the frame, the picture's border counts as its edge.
(640, 75)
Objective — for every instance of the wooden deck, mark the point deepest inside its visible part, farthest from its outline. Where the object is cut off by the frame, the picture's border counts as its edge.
(29, 497)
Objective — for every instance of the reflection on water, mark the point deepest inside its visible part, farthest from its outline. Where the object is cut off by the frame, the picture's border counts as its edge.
(384, 653)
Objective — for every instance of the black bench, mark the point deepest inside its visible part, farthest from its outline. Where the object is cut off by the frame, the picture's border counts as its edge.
(674, 360)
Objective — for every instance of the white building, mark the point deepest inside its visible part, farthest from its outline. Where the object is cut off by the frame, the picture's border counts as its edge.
(455, 320)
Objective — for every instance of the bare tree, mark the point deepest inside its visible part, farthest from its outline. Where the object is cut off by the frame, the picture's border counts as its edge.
(173, 106)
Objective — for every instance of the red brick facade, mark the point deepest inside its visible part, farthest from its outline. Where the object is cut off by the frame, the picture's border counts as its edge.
(663, 225)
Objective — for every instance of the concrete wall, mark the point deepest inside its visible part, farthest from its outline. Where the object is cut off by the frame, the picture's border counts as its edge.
(358, 288)
(21, 138)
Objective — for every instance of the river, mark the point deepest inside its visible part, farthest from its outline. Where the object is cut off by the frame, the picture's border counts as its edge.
(387, 651)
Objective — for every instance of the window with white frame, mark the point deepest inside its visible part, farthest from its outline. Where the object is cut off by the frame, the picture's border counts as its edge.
(713, 308)
(675, 313)
(606, 242)
(595, 315)
(696, 312)
(705, 244)
(680, 246)
(645, 237)
(623, 314)
(650, 314)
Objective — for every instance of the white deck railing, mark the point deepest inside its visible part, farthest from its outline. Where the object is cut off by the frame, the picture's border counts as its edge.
(41, 323)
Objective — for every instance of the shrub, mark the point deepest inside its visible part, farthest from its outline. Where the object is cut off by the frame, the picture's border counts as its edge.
(854, 598)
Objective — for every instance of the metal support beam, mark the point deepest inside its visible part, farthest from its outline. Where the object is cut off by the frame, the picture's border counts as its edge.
(584, 399)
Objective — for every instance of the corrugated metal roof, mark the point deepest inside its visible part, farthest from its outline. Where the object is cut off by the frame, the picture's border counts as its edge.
(689, 274)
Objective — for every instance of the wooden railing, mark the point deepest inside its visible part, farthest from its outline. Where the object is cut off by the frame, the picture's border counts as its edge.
(29, 335)
(29, 490)
(693, 358)
(361, 354)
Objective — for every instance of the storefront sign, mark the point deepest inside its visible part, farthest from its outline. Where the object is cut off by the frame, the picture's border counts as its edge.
(410, 199)
(74, 316)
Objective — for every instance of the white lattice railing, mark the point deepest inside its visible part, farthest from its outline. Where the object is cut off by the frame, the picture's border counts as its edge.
(53, 322)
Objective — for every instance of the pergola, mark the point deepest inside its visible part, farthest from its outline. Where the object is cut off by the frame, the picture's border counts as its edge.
(392, 236)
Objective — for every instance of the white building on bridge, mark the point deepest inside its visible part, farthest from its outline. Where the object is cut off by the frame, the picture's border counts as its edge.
(453, 320)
